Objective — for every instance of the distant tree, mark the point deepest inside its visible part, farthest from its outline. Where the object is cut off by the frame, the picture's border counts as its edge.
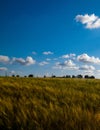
(30, 75)
(13, 75)
(92, 77)
(53, 76)
(25, 76)
(73, 76)
(44, 76)
(89, 77)
(17, 76)
(86, 76)
(68, 76)
(79, 76)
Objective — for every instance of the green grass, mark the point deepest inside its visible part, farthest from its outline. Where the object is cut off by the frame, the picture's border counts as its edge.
(49, 104)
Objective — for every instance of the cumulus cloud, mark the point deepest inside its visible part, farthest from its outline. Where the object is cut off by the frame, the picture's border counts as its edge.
(65, 56)
(43, 63)
(65, 65)
(91, 21)
(87, 68)
(19, 60)
(68, 56)
(47, 53)
(87, 59)
(4, 59)
(28, 61)
(3, 69)
(72, 55)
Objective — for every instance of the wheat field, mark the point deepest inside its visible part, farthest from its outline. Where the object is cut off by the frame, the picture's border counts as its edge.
(49, 104)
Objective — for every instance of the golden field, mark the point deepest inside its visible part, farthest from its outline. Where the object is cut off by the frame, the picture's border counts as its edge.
(49, 104)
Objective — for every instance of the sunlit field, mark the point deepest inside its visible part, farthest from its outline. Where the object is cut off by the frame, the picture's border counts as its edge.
(49, 104)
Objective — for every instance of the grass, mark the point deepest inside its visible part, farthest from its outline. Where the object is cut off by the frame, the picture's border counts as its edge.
(49, 104)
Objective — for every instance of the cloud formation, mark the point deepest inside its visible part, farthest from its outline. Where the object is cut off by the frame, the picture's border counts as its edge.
(82, 63)
(87, 68)
(47, 53)
(28, 61)
(65, 65)
(43, 63)
(3, 69)
(4, 59)
(91, 21)
(87, 59)
(68, 56)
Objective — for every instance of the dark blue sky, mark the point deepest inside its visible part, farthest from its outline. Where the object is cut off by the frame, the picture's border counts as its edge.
(39, 26)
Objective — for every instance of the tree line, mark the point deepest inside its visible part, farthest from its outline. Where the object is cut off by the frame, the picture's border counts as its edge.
(66, 76)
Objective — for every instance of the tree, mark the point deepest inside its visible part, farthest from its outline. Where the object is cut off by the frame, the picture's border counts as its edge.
(92, 77)
(73, 76)
(86, 76)
(89, 77)
(68, 76)
(17, 76)
(53, 76)
(13, 75)
(79, 76)
(44, 76)
(30, 75)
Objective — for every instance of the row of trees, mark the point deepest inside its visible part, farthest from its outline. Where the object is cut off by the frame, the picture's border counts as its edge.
(67, 76)
(78, 76)
(30, 75)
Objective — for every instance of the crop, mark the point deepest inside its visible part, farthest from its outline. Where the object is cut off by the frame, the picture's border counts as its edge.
(49, 104)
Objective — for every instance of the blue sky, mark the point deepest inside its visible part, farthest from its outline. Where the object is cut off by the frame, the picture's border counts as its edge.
(46, 37)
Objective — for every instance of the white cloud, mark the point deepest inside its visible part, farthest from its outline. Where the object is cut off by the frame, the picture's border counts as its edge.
(69, 63)
(28, 61)
(65, 65)
(87, 59)
(98, 71)
(43, 63)
(47, 53)
(87, 68)
(19, 60)
(91, 21)
(48, 59)
(72, 55)
(68, 56)
(65, 56)
(88, 73)
(4, 59)
(3, 69)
